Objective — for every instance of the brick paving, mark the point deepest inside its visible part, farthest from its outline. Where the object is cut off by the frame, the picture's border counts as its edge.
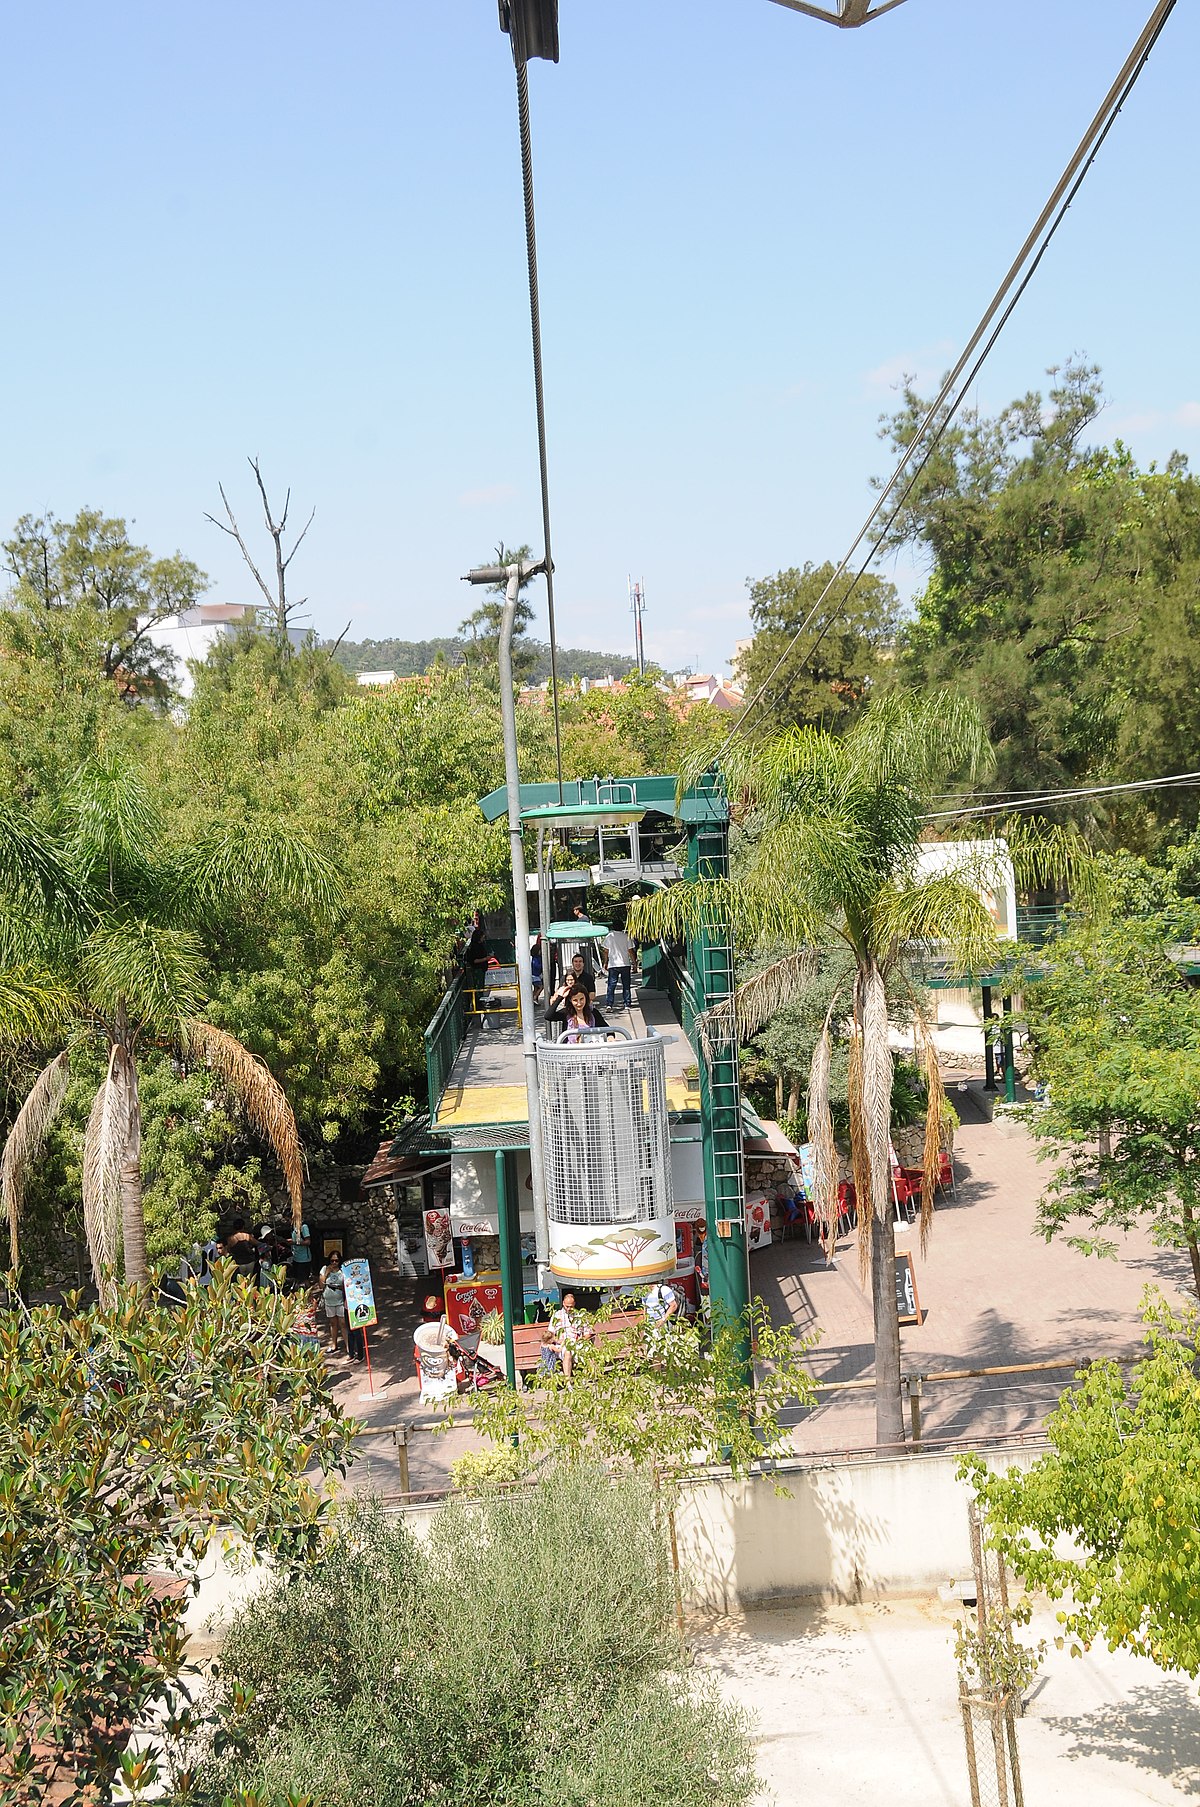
(992, 1291)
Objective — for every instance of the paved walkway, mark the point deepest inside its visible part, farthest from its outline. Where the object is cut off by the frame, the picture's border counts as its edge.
(993, 1293)
(861, 1701)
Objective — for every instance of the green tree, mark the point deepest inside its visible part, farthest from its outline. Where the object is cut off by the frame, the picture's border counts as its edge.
(837, 826)
(1120, 1480)
(826, 676)
(131, 959)
(83, 584)
(1115, 1029)
(482, 626)
(548, 1673)
(1062, 596)
(642, 1401)
(130, 1437)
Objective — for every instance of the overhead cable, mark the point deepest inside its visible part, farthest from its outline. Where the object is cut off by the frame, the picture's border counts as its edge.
(995, 318)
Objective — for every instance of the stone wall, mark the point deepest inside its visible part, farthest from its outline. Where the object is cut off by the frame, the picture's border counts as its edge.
(368, 1221)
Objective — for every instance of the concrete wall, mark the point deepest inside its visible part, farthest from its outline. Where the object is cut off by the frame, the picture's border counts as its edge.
(845, 1531)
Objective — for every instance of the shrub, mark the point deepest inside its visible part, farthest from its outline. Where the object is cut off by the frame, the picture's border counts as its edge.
(524, 1655)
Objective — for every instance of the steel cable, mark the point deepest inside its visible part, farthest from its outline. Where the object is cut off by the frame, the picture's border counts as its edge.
(1047, 224)
(535, 327)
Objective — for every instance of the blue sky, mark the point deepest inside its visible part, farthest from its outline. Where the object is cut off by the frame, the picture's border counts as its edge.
(296, 232)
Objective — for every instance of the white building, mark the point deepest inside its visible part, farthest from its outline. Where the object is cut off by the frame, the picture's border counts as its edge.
(192, 634)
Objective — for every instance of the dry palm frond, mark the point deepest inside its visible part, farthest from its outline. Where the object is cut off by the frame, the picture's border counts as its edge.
(102, 1147)
(934, 1111)
(745, 1011)
(877, 1087)
(820, 1134)
(25, 1140)
(860, 1160)
(260, 1095)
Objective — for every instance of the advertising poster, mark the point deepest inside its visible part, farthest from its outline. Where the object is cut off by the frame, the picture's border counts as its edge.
(439, 1239)
(758, 1221)
(468, 1302)
(360, 1293)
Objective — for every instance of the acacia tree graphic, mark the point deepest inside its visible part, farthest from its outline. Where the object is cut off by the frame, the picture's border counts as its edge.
(629, 1243)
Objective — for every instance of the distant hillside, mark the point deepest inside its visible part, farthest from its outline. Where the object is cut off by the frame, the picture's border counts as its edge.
(408, 657)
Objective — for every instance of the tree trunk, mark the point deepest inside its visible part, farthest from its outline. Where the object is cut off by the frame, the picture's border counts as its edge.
(133, 1221)
(1193, 1248)
(793, 1109)
(779, 1094)
(877, 1127)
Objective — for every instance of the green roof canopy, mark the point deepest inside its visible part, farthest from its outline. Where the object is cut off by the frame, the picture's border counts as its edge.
(576, 931)
(582, 815)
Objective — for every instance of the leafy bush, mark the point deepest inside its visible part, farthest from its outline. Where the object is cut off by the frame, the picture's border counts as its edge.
(481, 1470)
(522, 1656)
(128, 1438)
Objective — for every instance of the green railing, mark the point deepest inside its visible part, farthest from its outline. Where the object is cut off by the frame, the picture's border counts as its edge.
(1036, 923)
(443, 1039)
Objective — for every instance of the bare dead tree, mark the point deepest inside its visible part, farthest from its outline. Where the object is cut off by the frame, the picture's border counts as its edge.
(282, 610)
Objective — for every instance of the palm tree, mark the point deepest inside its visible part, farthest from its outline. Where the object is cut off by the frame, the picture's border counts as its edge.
(833, 827)
(114, 956)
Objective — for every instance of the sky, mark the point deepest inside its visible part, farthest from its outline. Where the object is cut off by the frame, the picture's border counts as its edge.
(295, 232)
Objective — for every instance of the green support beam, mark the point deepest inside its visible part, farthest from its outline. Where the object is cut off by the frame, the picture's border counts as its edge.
(512, 1280)
(710, 966)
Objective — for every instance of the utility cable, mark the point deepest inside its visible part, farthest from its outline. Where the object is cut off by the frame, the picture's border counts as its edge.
(1002, 305)
(1051, 799)
(535, 327)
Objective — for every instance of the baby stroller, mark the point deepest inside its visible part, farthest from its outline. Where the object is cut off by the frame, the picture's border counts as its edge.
(447, 1366)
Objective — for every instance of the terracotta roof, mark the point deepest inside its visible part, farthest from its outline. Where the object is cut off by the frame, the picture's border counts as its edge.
(412, 1149)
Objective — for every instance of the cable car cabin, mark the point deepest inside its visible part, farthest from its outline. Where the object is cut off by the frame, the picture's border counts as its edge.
(606, 1139)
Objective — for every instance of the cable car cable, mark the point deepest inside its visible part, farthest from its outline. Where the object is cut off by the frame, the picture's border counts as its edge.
(535, 327)
(1044, 229)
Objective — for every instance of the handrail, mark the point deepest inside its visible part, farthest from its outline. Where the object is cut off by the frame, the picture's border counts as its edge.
(443, 1038)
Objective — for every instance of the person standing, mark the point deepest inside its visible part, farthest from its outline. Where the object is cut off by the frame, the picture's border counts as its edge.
(300, 1266)
(618, 958)
(475, 964)
(333, 1297)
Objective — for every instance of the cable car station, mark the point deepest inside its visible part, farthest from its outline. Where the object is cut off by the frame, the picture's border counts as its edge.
(638, 1127)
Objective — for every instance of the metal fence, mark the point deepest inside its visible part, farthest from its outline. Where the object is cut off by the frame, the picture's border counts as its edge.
(443, 1039)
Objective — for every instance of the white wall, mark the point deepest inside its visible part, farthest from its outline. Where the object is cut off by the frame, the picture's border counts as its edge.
(845, 1531)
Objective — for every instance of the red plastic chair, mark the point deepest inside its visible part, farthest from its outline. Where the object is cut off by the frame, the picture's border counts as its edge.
(946, 1171)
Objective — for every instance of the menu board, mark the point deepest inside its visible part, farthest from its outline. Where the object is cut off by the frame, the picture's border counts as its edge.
(908, 1305)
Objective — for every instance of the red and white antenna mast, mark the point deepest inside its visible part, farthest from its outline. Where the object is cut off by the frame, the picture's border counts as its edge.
(637, 602)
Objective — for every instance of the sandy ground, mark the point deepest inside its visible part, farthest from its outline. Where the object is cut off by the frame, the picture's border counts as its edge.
(859, 1704)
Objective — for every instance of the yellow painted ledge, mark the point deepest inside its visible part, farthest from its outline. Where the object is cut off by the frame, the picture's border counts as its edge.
(507, 1103)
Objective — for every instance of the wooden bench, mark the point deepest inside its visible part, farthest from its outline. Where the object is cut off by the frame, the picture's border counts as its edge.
(528, 1338)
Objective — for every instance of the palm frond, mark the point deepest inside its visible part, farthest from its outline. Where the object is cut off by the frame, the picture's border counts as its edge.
(820, 1134)
(156, 972)
(114, 825)
(941, 913)
(257, 863)
(260, 1095)
(33, 1004)
(34, 868)
(860, 1160)
(103, 1142)
(1046, 854)
(876, 1087)
(935, 1106)
(757, 999)
(25, 1141)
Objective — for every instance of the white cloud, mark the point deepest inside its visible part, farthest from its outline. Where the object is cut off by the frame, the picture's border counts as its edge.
(924, 365)
(1152, 420)
(488, 496)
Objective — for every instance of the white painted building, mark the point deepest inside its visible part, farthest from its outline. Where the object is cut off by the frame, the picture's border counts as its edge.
(192, 634)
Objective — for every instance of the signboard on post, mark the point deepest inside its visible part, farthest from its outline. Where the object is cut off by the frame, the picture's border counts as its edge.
(360, 1294)
(908, 1305)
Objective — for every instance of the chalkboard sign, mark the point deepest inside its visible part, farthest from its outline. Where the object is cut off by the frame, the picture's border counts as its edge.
(908, 1306)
